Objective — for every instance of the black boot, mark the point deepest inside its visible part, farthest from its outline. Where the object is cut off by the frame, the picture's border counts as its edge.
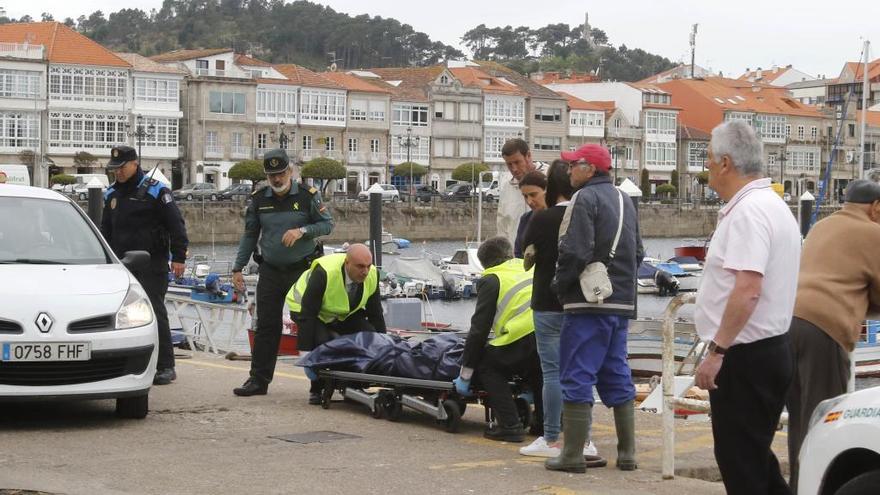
(574, 424)
(625, 423)
(253, 386)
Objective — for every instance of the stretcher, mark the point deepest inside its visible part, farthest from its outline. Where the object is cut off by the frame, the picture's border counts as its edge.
(386, 396)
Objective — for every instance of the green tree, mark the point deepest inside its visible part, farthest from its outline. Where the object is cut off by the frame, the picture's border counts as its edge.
(409, 169)
(323, 169)
(703, 177)
(62, 179)
(645, 185)
(251, 170)
(469, 172)
(84, 160)
(666, 190)
(674, 178)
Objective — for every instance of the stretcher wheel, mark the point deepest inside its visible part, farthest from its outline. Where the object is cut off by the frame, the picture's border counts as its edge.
(393, 408)
(326, 395)
(453, 415)
(524, 409)
(378, 409)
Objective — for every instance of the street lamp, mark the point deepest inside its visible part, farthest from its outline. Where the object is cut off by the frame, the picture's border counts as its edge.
(282, 139)
(140, 133)
(615, 151)
(409, 141)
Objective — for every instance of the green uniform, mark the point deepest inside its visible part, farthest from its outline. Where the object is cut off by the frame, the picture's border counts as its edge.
(268, 217)
(513, 313)
(335, 303)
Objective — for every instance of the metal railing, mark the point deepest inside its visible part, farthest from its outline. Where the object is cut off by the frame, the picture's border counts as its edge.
(21, 50)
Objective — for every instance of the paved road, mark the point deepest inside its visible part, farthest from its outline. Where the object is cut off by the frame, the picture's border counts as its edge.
(199, 438)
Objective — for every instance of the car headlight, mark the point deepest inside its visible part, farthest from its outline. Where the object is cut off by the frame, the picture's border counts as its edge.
(135, 311)
(824, 408)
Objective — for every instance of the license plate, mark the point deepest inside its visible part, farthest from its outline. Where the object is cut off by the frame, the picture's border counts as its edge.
(49, 351)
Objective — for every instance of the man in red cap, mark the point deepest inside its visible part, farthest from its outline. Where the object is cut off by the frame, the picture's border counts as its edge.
(599, 232)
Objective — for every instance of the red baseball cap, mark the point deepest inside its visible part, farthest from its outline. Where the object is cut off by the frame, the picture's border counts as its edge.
(594, 154)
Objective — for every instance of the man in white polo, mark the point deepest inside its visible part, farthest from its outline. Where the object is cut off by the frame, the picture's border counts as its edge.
(744, 308)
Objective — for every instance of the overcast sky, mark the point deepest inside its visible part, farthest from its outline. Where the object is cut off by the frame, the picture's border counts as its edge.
(814, 36)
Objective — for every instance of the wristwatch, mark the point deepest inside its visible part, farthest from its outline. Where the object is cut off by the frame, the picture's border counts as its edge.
(717, 349)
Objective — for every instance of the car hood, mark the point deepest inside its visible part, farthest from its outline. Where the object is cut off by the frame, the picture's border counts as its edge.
(43, 281)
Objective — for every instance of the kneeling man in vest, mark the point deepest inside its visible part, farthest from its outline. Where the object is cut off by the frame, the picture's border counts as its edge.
(504, 295)
(338, 294)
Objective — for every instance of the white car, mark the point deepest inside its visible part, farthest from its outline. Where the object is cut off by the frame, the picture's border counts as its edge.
(389, 193)
(841, 453)
(74, 323)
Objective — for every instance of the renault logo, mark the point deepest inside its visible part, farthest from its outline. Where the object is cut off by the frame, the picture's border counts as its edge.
(44, 322)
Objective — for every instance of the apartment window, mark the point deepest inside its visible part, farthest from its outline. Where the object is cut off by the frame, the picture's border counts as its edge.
(164, 133)
(507, 111)
(617, 123)
(800, 132)
(374, 145)
(469, 148)
(697, 154)
(352, 145)
(771, 160)
(417, 153)
(494, 141)
(748, 117)
(814, 133)
(802, 159)
(156, 90)
(276, 104)
(262, 140)
(322, 106)
(444, 147)
(788, 131)
(587, 119)
(660, 154)
(410, 115)
(87, 84)
(660, 123)
(212, 142)
(86, 130)
(307, 142)
(358, 110)
(377, 111)
(852, 130)
(772, 128)
(469, 112)
(548, 114)
(202, 64)
(444, 79)
(329, 143)
(830, 132)
(19, 84)
(237, 140)
(548, 143)
(226, 102)
(19, 130)
(444, 110)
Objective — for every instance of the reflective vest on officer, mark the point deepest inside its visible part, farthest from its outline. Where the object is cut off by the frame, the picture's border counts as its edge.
(334, 305)
(513, 312)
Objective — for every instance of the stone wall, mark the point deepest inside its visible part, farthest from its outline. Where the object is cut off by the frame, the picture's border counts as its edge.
(224, 222)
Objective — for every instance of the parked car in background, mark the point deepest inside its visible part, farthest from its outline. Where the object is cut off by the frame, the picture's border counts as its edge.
(199, 190)
(458, 192)
(75, 324)
(389, 193)
(236, 192)
(423, 193)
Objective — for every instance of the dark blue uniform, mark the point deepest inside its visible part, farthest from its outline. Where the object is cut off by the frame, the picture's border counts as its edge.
(140, 214)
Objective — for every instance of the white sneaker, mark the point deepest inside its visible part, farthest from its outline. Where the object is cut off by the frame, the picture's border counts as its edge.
(590, 450)
(540, 448)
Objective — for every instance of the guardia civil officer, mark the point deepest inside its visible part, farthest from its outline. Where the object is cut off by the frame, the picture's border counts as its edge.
(284, 217)
(140, 214)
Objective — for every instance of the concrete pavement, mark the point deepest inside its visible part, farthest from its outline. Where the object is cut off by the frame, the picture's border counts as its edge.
(200, 438)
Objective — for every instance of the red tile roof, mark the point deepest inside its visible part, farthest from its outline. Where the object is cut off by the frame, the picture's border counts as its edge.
(554, 77)
(575, 103)
(62, 44)
(304, 77)
(531, 87)
(857, 67)
(767, 75)
(355, 83)
(693, 134)
(140, 63)
(474, 77)
(241, 59)
(414, 81)
(181, 55)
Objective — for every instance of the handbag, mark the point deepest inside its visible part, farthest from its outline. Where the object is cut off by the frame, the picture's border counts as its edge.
(595, 284)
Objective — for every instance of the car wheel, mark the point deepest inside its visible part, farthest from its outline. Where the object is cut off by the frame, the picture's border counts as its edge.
(189, 197)
(395, 199)
(213, 197)
(83, 196)
(133, 407)
(863, 484)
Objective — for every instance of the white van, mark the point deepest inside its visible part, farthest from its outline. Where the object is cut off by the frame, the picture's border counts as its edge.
(16, 174)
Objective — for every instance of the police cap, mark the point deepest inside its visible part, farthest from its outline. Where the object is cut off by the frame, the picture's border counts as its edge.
(275, 161)
(862, 191)
(120, 155)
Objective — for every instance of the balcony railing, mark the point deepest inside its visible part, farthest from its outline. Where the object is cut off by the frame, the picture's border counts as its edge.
(240, 152)
(377, 157)
(307, 155)
(214, 151)
(624, 133)
(21, 50)
(223, 73)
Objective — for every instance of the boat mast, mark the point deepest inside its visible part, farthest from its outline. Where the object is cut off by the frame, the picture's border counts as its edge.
(865, 89)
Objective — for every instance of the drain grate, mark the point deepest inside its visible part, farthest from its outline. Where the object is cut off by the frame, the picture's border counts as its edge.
(314, 437)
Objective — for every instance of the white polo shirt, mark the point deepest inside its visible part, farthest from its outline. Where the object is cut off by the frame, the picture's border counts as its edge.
(756, 232)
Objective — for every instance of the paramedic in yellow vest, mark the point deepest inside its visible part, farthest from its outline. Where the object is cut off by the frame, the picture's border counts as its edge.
(504, 295)
(338, 295)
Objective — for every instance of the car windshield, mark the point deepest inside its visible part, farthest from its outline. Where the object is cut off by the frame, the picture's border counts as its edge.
(43, 231)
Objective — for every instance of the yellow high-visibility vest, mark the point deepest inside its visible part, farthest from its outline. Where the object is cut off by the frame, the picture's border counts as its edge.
(513, 313)
(334, 305)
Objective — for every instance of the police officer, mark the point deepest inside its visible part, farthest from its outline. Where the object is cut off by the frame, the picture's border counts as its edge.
(285, 217)
(140, 214)
(338, 295)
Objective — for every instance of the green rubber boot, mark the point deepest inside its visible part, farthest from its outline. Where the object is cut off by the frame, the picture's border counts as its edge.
(625, 423)
(575, 418)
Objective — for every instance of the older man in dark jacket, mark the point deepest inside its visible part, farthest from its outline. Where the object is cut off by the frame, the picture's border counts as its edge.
(600, 226)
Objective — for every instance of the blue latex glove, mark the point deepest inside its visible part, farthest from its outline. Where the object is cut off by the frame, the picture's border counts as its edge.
(462, 386)
(310, 373)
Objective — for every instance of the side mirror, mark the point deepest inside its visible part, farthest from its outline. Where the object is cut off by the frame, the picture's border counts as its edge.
(136, 260)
